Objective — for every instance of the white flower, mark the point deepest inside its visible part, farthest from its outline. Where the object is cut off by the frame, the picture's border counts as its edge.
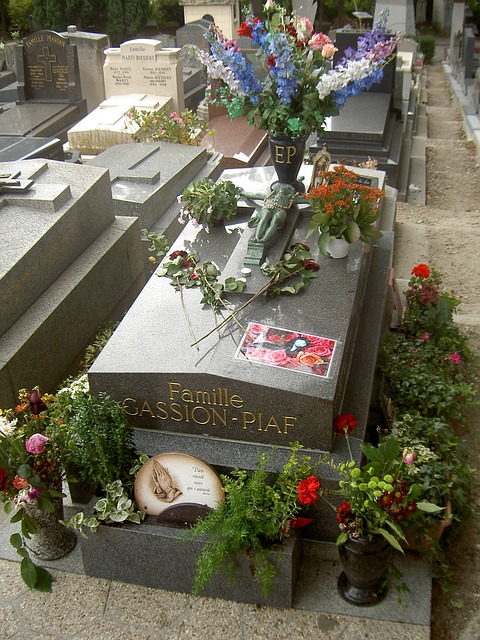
(7, 427)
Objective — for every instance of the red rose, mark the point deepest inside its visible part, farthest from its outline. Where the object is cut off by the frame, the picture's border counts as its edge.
(344, 513)
(421, 271)
(344, 424)
(3, 478)
(308, 490)
(177, 254)
(310, 265)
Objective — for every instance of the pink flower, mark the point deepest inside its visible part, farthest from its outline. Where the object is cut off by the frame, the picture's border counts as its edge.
(454, 357)
(426, 336)
(255, 353)
(33, 493)
(277, 358)
(409, 456)
(318, 41)
(328, 51)
(36, 444)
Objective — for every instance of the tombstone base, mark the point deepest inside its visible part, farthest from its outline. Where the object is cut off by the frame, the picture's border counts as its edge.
(157, 556)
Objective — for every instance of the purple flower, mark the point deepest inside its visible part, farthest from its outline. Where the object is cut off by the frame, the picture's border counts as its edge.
(36, 443)
(33, 493)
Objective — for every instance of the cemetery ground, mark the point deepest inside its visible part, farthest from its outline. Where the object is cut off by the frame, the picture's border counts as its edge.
(443, 234)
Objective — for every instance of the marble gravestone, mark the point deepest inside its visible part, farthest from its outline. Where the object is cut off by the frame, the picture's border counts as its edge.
(210, 400)
(141, 74)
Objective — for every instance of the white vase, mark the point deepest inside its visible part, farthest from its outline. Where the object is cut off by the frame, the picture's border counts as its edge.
(338, 247)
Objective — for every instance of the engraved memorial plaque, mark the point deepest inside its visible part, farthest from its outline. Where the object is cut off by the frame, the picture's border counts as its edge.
(177, 482)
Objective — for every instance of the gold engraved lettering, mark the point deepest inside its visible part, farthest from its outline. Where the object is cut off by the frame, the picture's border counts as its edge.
(203, 397)
(175, 408)
(272, 423)
(288, 421)
(236, 401)
(161, 406)
(248, 419)
(284, 155)
(174, 387)
(129, 409)
(146, 408)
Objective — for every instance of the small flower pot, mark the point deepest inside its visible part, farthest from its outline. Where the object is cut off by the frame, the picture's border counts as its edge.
(338, 248)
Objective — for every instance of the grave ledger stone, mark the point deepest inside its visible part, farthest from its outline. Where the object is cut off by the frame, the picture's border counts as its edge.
(60, 242)
(218, 403)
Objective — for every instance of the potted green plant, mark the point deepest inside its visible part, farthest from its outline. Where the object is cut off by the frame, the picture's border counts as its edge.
(343, 208)
(259, 513)
(380, 498)
(208, 203)
(31, 472)
(100, 439)
(435, 458)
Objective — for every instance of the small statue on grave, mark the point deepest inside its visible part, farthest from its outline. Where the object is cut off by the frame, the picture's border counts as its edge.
(321, 163)
(271, 217)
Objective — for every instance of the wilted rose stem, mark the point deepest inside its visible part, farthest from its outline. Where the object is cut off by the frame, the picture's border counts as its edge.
(189, 324)
(232, 315)
(222, 302)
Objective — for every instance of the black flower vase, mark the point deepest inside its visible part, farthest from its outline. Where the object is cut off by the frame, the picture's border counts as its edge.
(287, 158)
(365, 564)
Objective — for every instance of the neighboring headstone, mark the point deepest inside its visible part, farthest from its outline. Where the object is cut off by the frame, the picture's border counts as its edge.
(49, 99)
(226, 14)
(47, 69)
(401, 15)
(91, 58)
(27, 148)
(61, 241)
(144, 66)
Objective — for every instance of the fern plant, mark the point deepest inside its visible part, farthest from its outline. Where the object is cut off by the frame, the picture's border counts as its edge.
(255, 517)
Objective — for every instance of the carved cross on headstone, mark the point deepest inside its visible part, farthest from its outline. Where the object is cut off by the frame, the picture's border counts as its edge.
(46, 59)
(8, 182)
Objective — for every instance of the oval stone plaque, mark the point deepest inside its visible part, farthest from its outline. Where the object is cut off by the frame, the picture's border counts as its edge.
(171, 479)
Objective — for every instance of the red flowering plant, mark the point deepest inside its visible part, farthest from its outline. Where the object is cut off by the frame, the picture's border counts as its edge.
(30, 471)
(430, 308)
(260, 510)
(344, 208)
(380, 498)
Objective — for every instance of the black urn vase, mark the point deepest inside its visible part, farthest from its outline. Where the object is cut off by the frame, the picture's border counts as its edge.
(365, 563)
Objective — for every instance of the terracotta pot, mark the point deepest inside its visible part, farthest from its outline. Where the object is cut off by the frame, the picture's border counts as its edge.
(419, 540)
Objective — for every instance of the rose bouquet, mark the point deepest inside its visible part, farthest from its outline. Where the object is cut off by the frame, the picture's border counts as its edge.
(291, 87)
(343, 208)
(30, 471)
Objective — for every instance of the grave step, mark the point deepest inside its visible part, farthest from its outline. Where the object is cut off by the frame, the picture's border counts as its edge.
(47, 227)
(66, 315)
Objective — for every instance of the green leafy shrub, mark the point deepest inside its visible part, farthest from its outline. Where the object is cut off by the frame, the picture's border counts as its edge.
(427, 47)
(100, 439)
(19, 12)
